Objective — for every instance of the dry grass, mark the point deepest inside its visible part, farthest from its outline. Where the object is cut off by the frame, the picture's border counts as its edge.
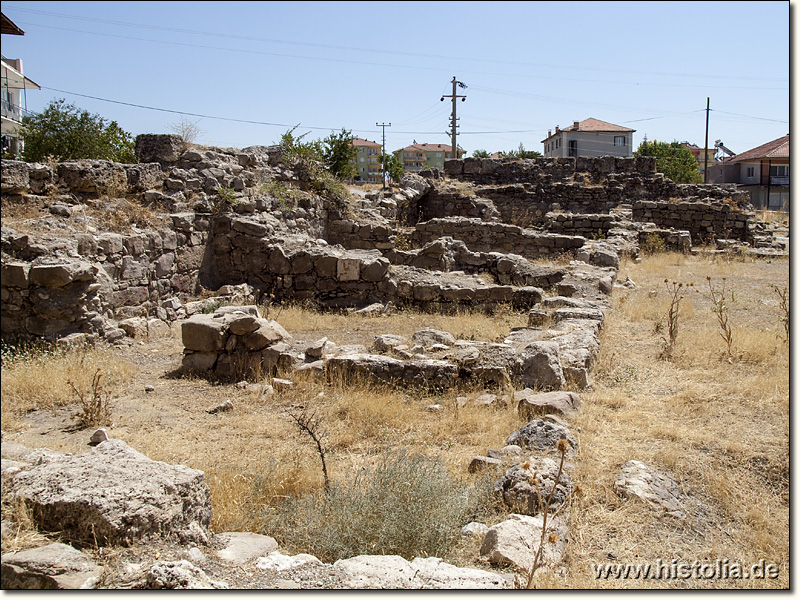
(38, 377)
(720, 428)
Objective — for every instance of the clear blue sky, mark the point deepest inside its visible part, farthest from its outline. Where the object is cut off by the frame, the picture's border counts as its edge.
(528, 67)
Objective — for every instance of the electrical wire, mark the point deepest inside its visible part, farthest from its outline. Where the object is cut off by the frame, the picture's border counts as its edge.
(217, 35)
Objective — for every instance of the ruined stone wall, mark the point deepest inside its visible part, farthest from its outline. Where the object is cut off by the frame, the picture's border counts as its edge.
(586, 225)
(483, 236)
(705, 221)
(90, 280)
(524, 191)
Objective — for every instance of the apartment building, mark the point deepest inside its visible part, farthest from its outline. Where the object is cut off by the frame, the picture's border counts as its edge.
(368, 160)
(12, 89)
(417, 157)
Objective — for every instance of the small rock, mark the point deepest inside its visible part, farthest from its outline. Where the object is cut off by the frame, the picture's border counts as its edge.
(223, 407)
(479, 463)
(149, 388)
(474, 529)
(97, 437)
(243, 546)
(282, 385)
(275, 561)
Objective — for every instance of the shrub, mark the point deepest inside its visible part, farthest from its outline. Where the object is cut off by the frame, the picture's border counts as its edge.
(654, 244)
(406, 505)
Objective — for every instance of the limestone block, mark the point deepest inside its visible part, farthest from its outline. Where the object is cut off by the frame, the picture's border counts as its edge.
(240, 547)
(531, 404)
(515, 542)
(53, 567)
(114, 494)
(15, 275)
(541, 435)
(521, 485)
(348, 269)
(204, 333)
(59, 275)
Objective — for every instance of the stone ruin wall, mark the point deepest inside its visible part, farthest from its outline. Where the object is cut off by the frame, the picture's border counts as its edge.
(525, 192)
(309, 249)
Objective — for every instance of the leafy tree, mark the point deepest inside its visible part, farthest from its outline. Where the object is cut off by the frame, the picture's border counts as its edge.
(522, 153)
(296, 150)
(339, 153)
(480, 154)
(67, 132)
(673, 159)
(393, 166)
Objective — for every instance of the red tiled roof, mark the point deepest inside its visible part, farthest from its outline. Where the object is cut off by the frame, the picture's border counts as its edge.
(362, 142)
(427, 148)
(775, 149)
(594, 126)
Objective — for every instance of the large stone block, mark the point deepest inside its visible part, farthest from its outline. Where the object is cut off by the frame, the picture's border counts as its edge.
(204, 333)
(115, 495)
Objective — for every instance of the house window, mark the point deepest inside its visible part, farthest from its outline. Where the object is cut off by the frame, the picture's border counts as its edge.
(779, 170)
(619, 140)
(573, 148)
(751, 172)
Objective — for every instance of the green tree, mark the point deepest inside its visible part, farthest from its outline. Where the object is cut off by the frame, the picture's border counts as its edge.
(480, 154)
(294, 149)
(393, 166)
(673, 159)
(522, 153)
(67, 132)
(339, 153)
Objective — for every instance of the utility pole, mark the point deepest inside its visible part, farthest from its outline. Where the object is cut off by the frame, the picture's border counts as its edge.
(453, 118)
(383, 152)
(705, 154)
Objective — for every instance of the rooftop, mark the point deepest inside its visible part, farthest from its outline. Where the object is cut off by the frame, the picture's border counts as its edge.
(775, 149)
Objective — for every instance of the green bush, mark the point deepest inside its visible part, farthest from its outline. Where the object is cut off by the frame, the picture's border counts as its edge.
(406, 505)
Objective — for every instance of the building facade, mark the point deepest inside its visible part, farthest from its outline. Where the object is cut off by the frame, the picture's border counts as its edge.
(13, 84)
(417, 157)
(367, 160)
(589, 138)
(763, 171)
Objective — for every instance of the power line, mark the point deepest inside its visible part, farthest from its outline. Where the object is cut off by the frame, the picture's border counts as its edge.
(217, 35)
(400, 66)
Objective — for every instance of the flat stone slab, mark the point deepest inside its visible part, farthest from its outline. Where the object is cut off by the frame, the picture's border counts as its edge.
(241, 546)
(53, 567)
(654, 487)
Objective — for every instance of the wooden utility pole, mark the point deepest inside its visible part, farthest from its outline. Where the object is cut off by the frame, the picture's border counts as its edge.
(453, 119)
(705, 155)
(383, 152)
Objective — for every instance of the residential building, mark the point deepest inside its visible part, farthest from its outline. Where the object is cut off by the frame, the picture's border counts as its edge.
(368, 160)
(417, 157)
(14, 84)
(700, 155)
(590, 137)
(763, 171)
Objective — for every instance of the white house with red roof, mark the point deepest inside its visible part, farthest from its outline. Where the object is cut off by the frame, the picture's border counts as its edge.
(591, 137)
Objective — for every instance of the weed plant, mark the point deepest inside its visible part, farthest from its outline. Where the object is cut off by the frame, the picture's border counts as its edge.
(406, 504)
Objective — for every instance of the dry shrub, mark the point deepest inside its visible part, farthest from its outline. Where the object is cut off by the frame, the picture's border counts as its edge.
(405, 504)
(35, 377)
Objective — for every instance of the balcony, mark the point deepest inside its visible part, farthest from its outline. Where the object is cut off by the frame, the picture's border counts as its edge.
(11, 111)
(780, 180)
